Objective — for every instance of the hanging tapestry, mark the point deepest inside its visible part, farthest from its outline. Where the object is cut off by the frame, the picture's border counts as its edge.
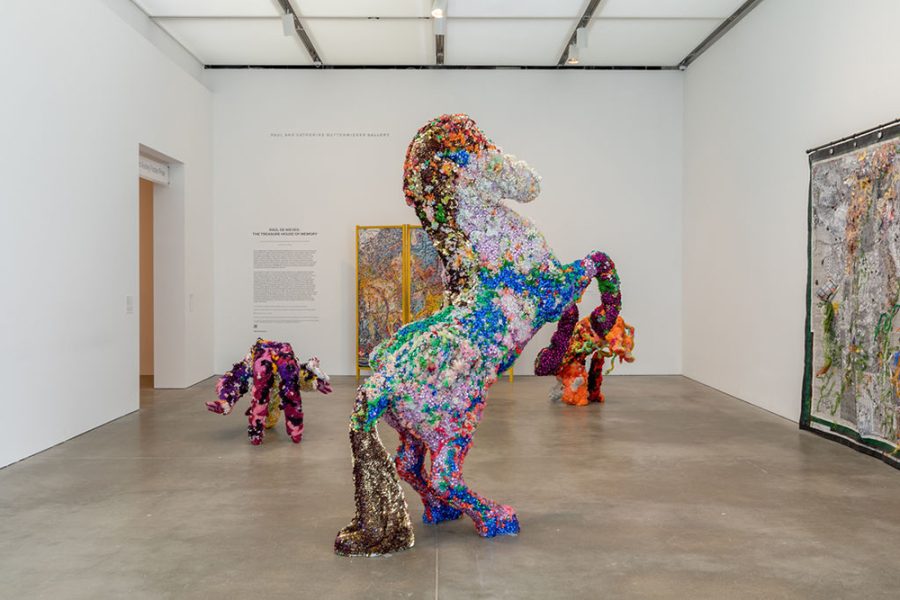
(852, 384)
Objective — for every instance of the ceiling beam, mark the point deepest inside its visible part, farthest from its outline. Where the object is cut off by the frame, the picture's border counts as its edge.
(582, 22)
(453, 67)
(721, 30)
(301, 32)
(414, 18)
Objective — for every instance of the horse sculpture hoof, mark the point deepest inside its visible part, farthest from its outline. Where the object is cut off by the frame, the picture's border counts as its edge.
(502, 520)
(438, 513)
(353, 540)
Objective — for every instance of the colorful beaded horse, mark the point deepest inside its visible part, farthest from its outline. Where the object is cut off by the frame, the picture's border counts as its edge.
(270, 365)
(429, 380)
(576, 341)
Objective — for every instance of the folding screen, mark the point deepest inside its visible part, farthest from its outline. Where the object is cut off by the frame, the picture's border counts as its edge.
(380, 289)
(426, 288)
(398, 280)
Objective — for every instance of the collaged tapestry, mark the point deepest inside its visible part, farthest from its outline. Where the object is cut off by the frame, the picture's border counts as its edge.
(853, 383)
(400, 280)
(426, 288)
(380, 292)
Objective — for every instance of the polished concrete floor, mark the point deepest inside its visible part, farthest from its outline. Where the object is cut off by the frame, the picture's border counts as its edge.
(669, 490)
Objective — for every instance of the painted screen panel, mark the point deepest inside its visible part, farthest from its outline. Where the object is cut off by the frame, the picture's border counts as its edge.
(854, 378)
(426, 294)
(380, 292)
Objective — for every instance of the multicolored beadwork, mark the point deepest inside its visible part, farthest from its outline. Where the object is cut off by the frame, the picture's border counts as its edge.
(270, 365)
(572, 344)
(430, 379)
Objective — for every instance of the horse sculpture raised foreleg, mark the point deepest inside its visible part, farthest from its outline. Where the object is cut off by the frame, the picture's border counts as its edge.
(603, 318)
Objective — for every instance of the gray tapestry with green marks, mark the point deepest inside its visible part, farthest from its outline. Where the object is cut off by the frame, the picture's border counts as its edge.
(856, 295)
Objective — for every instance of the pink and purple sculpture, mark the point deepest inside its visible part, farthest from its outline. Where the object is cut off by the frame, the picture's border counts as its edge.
(276, 378)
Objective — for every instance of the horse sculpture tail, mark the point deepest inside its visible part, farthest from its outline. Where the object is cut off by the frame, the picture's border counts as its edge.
(603, 318)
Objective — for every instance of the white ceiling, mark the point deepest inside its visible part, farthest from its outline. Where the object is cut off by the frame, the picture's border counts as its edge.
(478, 32)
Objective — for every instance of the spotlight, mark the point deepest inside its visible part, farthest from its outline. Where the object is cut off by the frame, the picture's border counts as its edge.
(573, 55)
(439, 9)
(287, 24)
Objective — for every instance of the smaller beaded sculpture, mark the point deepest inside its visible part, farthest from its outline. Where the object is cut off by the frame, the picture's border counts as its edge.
(566, 357)
(270, 365)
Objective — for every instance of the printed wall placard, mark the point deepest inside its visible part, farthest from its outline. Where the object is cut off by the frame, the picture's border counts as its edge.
(285, 281)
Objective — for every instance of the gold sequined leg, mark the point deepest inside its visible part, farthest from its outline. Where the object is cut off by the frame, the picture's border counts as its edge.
(274, 411)
(274, 402)
(381, 524)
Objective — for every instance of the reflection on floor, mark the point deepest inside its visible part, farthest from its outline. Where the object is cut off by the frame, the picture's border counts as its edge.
(670, 490)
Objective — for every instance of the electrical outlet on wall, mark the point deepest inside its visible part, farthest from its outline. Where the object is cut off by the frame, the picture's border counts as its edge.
(129, 305)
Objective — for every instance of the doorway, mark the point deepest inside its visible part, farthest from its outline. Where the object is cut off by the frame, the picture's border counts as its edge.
(145, 289)
(164, 300)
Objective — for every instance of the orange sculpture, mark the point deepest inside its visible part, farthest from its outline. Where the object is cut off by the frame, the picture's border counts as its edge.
(580, 385)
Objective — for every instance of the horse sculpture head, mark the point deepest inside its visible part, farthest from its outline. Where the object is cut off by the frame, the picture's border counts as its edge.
(451, 161)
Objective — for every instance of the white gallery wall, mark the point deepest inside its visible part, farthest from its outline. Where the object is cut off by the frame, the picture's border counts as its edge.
(695, 183)
(81, 90)
(608, 144)
(792, 75)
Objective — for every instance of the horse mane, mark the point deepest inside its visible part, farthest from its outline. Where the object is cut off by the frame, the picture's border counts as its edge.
(434, 161)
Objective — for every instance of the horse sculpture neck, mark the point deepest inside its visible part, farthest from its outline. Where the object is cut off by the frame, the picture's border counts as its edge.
(498, 234)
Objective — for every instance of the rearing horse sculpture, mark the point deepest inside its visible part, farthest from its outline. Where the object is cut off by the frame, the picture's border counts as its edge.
(430, 379)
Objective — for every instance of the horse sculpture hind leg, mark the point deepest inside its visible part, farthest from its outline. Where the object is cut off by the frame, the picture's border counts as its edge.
(410, 462)
(490, 518)
(381, 524)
